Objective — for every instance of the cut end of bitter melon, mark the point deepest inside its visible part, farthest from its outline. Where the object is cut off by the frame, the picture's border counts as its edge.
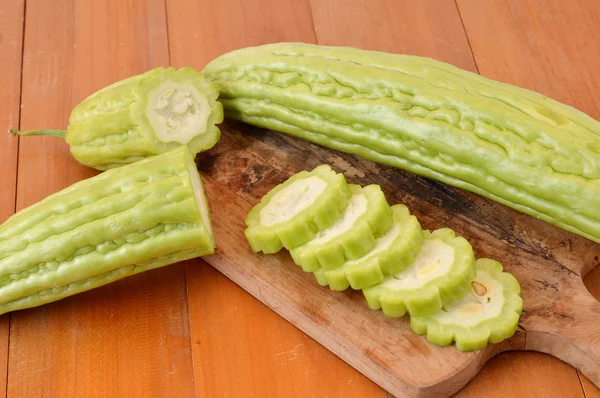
(440, 273)
(294, 212)
(488, 313)
(145, 115)
(391, 253)
(202, 201)
(182, 108)
(366, 217)
(177, 112)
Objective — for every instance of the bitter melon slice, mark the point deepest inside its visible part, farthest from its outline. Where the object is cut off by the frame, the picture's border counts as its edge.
(488, 313)
(294, 212)
(442, 271)
(367, 217)
(391, 253)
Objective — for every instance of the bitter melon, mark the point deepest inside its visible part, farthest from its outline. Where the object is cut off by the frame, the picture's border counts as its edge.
(366, 217)
(488, 313)
(441, 272)
(431, 275)
(294, 212)
(391, 253)
(142, 116)
(505, 143)
(124, 221)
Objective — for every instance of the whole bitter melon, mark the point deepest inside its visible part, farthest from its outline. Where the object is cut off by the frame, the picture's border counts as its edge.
(505, 143)
(124, 221)
(143, 116)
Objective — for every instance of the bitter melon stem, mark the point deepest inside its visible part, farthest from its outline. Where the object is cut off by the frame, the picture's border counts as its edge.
(49, 133)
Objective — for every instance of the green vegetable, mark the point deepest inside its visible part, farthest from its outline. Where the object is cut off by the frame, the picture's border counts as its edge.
(124, 221)
(441, 272)
(391, 253)
(142, 116)
(490, 312)
(366, 217)
(295, 211)
(508, 144)
(402, 269)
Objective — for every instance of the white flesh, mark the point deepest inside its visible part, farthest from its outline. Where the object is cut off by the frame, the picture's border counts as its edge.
(434, 260)
(381, 244)
(290, 201)
(178, 112)
(357, 206)
(473, 308)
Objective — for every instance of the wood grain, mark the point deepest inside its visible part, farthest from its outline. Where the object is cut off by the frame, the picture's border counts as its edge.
(11, 46)
(592, 282)
(201, 30)
(130, 338)
(243, 348)
(524, 374)
(430, 28)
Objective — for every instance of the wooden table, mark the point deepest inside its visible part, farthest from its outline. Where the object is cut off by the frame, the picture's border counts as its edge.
(186, 330)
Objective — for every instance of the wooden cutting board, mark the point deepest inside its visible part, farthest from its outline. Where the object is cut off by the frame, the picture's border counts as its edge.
(560, 316)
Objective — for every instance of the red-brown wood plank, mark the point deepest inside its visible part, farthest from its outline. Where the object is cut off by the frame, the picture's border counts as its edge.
(430, 28)
(11, 46)
(130, 338)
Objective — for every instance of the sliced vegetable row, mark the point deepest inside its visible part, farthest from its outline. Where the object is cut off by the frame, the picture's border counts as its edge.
(349, 236)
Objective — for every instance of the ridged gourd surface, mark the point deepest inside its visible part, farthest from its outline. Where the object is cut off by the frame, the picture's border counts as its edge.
(506, 143)
(117, 223)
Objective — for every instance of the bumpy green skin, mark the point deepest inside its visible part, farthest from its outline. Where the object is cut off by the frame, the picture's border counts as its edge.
(493, 330)
(430, 297)
(505, 143)
(119, 223)
(111, 127)
(303, 226)
(371, 269)
(351, 244)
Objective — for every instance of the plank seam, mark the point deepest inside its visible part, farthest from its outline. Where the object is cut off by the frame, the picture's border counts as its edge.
(581, 383)
(19, 114)
(312, 22)
(185, 278)
(167, 30)
(462, 22)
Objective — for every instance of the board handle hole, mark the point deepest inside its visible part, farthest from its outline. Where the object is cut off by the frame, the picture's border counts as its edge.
(592, 282)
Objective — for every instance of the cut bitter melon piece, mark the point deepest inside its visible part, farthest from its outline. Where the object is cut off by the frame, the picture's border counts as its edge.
(391, 253)
(143, 116)
(124, 221)
(293, 213)
(488, 313)
(367, 217)
(441, 272)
